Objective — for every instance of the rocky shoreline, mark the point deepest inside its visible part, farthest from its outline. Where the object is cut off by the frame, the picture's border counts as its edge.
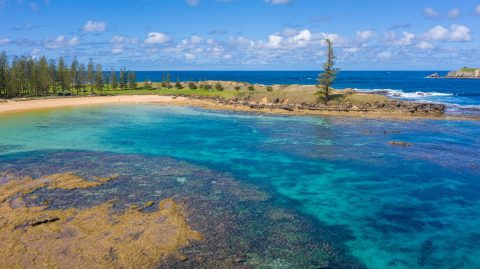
(397, 107)
(464, 73)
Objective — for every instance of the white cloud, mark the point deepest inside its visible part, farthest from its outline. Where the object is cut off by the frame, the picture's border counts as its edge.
(192, 2)
(477, 10)
(301, 39)
(454, 13)
(74, 41)
(118, 43)
(94, 26)
(455, 33)
(279, 2)
(35, 53)
(274, 41)
(155, 38)
(366, 35)
(4, 41)
(195, 39)
(430, 12)
(117, 39)
(385, 55)
(424, 45)
(61, 42)
(189, 56)
(406, 39)
(352, 50)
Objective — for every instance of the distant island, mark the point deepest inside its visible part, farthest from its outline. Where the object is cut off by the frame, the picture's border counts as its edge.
(465, 72)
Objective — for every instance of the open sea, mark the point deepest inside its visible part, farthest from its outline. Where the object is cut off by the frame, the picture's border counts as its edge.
(461, 95)
(278, 191)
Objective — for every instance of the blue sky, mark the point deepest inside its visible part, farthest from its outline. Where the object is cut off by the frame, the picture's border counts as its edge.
(246, 34)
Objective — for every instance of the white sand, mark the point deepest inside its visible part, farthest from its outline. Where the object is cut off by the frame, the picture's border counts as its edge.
(23, 105)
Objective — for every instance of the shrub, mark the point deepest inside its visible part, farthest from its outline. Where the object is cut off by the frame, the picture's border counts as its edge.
(237, 88)
(218, 86)
(205, 86)
(178, 85)
(269, 88)
(251, 88)
(192, 85)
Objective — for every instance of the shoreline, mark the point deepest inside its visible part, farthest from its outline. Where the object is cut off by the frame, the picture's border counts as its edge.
(25, 105)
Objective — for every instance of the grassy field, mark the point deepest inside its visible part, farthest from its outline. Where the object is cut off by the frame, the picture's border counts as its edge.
(468, 70)
(283, 94)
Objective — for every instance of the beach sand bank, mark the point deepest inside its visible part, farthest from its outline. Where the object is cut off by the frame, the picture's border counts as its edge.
(15, 105)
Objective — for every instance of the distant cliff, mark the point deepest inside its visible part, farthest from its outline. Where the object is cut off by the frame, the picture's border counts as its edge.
(464, 73)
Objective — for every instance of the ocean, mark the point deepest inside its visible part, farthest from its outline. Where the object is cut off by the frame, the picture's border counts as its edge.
(459, 94)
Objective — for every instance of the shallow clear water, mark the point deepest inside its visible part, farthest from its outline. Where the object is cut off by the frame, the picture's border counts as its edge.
(393, 207)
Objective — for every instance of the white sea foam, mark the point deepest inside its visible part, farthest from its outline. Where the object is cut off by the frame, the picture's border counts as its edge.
(408, 95)
(429, 97)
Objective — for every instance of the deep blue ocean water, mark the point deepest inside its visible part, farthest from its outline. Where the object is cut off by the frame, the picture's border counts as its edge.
(391, 206)
(411, 85)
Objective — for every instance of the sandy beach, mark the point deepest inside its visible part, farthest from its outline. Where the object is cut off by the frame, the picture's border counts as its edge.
(15, 105)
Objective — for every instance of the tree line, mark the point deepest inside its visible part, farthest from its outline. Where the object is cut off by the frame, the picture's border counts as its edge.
(28, 76)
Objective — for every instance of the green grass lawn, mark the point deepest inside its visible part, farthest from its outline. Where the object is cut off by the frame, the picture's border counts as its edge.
(176, 92)
(468, 70)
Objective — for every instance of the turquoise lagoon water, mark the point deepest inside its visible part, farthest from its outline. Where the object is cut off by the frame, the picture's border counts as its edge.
(390, 206)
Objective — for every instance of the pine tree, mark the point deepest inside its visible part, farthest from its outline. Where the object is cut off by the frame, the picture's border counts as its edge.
(82, 72)
(132, 80)
(52, 71)
(90, 75)
(75, 74)
(123, 79)
(113, 79)
(61, 74)
(4, 68)
(99, 77)
(326, 78)
(44, 81)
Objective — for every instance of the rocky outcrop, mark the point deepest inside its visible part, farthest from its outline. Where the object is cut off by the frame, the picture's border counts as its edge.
(390, 106)
(465, 73)
(434, 75)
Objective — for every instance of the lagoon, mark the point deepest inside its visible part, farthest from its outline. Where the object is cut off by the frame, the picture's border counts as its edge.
(313, 180)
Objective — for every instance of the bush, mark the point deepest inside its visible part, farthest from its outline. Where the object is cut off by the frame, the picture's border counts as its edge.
(218, 86)
(167, 85)
(269, 88)
(192, 85)
(251, 88)
(237, 88)
(178, 85)
(205, 86)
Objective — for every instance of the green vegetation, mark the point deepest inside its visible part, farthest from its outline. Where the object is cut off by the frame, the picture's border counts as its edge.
(218, 86)
(177, 92)
(468, 70)
(326, 78)
(251, 88)
(26, 76)
(238, 88)
(192, 85)
(269, 88)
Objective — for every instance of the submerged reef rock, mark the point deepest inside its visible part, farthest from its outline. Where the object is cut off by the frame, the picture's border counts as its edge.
(96, 237)
(400, 143)
(66, 181)
(151, 216)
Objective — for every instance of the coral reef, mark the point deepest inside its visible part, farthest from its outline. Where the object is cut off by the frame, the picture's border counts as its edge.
(96, 237)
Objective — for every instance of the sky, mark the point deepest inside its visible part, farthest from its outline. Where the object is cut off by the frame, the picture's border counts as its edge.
(246, 34)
